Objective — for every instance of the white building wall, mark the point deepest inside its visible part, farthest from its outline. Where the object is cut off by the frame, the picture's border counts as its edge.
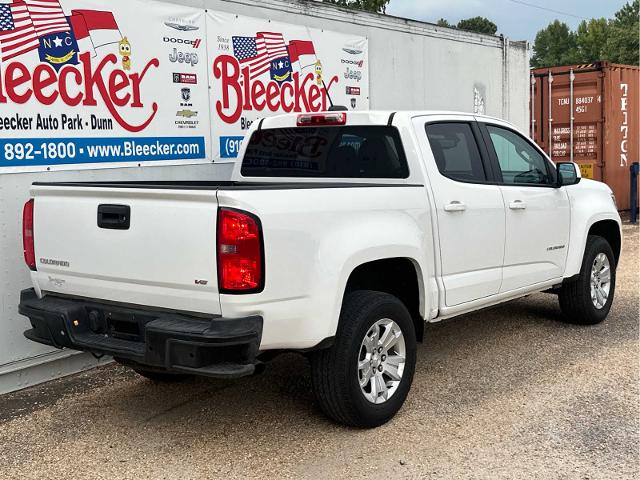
(412, 65)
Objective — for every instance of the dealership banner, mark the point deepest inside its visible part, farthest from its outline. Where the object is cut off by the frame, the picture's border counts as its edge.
(259, 68)
(86, 82)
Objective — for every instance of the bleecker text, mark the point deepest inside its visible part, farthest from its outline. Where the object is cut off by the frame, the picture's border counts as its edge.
(241, 93)
(83, 84)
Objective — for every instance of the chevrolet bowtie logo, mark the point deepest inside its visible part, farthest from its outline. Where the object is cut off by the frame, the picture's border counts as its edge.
(186, 113)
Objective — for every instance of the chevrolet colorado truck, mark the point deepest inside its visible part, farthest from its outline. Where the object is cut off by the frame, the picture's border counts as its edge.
(340, 236)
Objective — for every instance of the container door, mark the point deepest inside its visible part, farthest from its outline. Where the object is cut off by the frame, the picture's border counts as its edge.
(622, 112)
(559, 95)
(537, 213)
(469, 210)
(600, 101)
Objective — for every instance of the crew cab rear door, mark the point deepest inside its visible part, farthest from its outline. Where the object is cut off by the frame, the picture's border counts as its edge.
(469, 209)
(147, 245)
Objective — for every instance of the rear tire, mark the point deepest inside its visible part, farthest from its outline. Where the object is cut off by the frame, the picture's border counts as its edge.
(365, 377)
(587, 299)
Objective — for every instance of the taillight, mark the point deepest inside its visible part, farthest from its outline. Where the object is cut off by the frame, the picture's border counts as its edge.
(240, 252)
(321, 119)
(27, 235)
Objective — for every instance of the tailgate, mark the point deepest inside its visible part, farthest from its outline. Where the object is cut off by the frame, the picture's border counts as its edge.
(165, 257)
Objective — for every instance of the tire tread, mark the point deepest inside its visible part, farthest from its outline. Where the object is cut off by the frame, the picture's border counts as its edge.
(332, 390)
(575, 298)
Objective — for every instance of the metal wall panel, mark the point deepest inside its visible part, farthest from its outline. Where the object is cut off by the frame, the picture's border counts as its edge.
(413, 66)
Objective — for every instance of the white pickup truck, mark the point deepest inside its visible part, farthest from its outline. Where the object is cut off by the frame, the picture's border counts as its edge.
(340, 235)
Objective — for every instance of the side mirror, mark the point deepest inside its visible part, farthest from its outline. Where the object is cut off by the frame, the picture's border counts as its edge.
(568, 174)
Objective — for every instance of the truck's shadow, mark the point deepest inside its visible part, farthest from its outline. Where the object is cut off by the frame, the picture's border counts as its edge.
(461, 361)
(464, 360)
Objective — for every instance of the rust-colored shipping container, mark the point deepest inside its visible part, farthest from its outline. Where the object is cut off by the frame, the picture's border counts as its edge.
(602, 136)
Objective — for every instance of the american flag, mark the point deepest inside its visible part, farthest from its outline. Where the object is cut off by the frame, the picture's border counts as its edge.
(47, 16)
(258, 52)
(17, 33)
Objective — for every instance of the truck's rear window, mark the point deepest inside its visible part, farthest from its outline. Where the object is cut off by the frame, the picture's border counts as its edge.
(326, 152)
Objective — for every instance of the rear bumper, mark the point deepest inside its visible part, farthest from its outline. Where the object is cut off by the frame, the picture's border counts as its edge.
(157, 340)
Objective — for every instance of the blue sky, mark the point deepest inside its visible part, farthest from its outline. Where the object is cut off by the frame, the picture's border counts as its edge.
(514, 20)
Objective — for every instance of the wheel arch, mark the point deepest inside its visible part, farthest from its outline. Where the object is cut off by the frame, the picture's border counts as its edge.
(397, 276)
(610, 231)
(606, 225)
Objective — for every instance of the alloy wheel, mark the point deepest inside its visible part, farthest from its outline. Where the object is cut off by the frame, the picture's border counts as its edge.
(381, 361)
(600, 281)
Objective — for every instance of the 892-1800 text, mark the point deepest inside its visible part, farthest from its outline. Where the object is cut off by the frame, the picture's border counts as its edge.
(45, 151)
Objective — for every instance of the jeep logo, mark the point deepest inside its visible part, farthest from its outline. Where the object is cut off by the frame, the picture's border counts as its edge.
(182, 57)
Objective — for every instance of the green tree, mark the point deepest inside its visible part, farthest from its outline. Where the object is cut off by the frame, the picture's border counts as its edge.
(616, 40)
(554, 45)
(377, 6)
(444, 23)
(591, 40)
(479, 25)
(623, 43)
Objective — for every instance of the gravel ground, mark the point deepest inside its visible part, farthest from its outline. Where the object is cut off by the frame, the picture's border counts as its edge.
(509, 392)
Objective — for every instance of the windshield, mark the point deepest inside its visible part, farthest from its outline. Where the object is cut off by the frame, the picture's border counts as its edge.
(326, 152)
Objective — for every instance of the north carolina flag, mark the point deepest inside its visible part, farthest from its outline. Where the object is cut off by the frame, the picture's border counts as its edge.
(298, 48)
(101, 27)
(81, 32)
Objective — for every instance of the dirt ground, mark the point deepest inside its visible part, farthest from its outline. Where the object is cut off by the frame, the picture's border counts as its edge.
(509, 392)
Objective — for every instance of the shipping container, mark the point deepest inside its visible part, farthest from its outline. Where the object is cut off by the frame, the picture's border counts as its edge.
(589, 114)
(409, 65)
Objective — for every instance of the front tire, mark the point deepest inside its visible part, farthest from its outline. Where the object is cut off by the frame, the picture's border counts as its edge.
(587, 299)
(365, 377)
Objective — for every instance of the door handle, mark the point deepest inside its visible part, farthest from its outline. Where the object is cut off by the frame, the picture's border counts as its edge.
(455, 206)
(114, 217)
(518, 205)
